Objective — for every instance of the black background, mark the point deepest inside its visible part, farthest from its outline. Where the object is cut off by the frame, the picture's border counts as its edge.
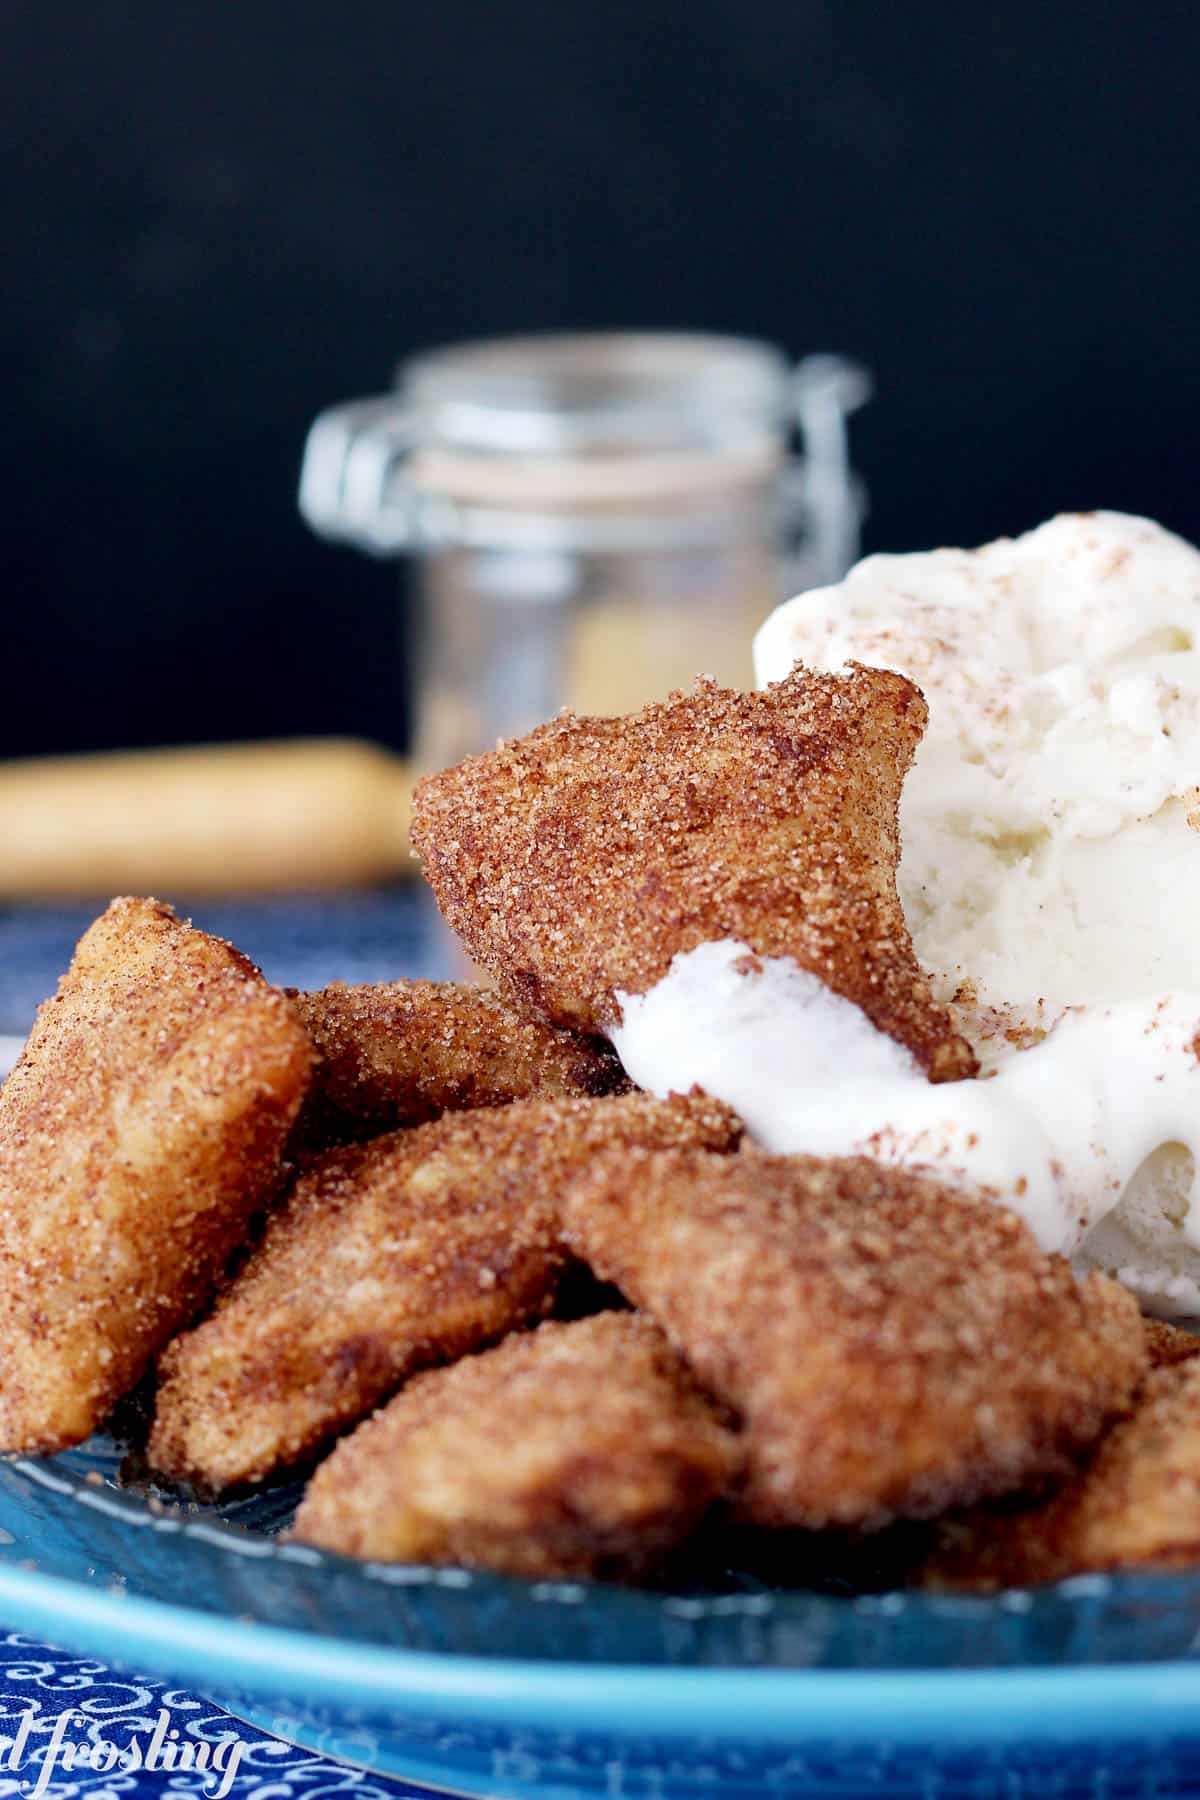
(218, 219)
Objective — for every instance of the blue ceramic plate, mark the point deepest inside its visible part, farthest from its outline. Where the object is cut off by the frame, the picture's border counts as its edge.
(489, 1686)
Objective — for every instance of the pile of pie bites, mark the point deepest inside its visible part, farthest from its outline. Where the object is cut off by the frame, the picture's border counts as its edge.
(425, 1245)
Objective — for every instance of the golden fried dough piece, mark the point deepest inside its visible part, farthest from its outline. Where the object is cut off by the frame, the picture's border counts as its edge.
(575, 863)
(573, 1450)
(1135, 1504)
(893, 1347)
(1169, 1344)
(406, 1051)
(388, 1257)
(140, 1130)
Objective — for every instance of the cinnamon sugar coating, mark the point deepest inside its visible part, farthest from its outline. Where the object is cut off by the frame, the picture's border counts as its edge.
(1167, 1343)
(582, 1449)
(1134, 1504)
(386, 1258)
(576, 862)
(139, 1132)
(403, 1052)
(893, 1348)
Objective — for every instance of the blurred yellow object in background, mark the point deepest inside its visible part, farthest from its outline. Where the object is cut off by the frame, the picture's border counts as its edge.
(231, 818)
(671, 648)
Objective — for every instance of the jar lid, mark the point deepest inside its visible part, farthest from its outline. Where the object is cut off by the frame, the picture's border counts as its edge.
(603, 394)
(588, 441)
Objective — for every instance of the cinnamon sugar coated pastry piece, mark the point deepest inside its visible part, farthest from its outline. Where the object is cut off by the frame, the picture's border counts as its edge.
(389, 1257)
(403, 1052)
(1134, 1504)
(583, 1449)
(892, 1347)
(575, 863)
(1168, 1343)
(139, 1132)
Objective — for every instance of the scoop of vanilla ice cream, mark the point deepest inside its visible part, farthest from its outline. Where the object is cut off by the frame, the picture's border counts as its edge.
(1051, 821)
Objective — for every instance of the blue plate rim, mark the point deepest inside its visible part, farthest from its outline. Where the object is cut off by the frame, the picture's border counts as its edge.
(1072, 1703)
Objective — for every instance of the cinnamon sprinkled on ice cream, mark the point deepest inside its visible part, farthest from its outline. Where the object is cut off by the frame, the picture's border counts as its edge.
(1050, 859)
(1044, 824)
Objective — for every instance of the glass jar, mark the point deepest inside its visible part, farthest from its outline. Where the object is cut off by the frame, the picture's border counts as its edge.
(596, 518)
